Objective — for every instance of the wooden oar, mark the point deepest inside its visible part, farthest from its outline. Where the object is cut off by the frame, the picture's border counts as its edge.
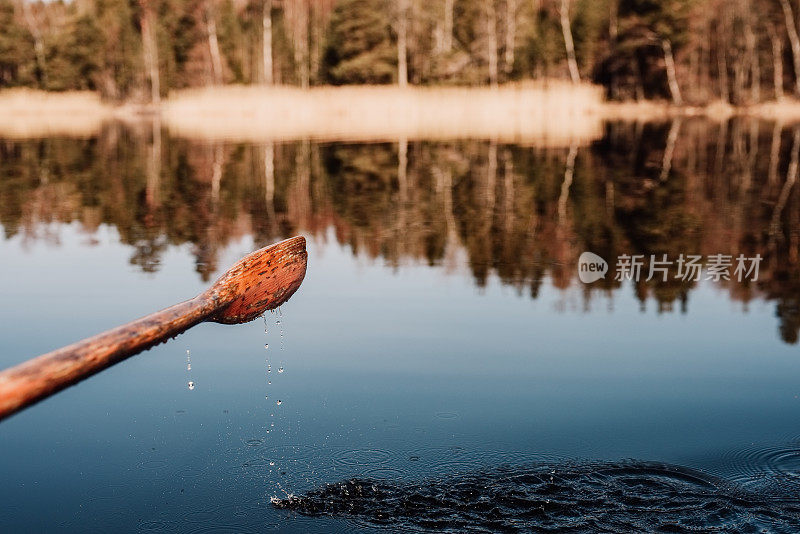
(260, 281)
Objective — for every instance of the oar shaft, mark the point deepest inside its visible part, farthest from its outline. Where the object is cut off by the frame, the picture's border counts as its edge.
(40, 377)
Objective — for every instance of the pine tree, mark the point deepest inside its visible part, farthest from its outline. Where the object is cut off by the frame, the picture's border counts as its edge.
(360, 46)
(17, 60)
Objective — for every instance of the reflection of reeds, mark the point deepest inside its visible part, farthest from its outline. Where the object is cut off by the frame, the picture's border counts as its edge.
(552, 114)
(28, 114)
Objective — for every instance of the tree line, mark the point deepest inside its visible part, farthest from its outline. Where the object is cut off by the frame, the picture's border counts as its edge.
(688, 51)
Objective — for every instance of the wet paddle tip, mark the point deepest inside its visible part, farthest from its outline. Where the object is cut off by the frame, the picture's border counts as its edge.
(261, 281)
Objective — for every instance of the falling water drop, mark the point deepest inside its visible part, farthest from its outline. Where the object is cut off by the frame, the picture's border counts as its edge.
(189, 369)
(266, 345)
(280, 369)
(279, 403)
(280, 327)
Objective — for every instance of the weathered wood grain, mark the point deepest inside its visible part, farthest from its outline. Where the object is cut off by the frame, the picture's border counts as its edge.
(260, 281)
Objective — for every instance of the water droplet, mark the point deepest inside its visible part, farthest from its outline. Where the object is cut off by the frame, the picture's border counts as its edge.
(191, 385)
(269, 381)
(278, 321)
(279, 403)
(188, 366)
(266, 345)
(271, 463)
(280, 369)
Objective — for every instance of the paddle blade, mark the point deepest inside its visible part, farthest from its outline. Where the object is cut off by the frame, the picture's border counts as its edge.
(261, 281)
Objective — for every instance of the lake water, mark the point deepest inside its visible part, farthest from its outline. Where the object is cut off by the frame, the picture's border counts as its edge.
(442, 366)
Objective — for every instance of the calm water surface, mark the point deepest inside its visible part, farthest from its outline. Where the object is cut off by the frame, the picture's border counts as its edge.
(441, 366)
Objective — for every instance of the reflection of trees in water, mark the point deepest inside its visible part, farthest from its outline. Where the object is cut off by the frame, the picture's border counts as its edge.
(518, 213)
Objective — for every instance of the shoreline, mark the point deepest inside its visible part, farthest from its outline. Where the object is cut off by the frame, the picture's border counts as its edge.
(546, 113)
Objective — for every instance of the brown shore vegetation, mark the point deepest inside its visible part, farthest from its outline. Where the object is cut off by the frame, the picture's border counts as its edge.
(546, 113)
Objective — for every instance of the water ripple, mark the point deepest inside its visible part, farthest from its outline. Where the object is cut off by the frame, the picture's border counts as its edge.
(360, 457)
(588, 497)
(770, 465)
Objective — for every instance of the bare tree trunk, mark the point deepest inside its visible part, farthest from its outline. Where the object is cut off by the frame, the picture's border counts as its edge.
(777, 64)
(638, 85)
(317, 31)
(794, 40)
(566, 29)
(508, 193)
(402, 171)
(774, 153)
(511, 35)
(216, 174)
(755, 80)
(297, 14)
(266, 41)
(755, 66)
(153, 168)
(402, 46)
(613, 32)
(490, 195)
(569, 172)
(301, 189)
(791, 179)
(491, 41)
(722, 65)
(150, 52)
(213, 44)
(672, 78)
(613, 20)
(752, 156)
(704, 69)
(269, 187)
(38, 42)
(669, 149)
(447, 42)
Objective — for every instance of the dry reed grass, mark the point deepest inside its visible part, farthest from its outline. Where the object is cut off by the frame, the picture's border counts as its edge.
(26, 113)
(786, 110)
(550, 114)
(547, 113)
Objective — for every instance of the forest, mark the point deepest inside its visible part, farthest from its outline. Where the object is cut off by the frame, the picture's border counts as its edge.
(688, 52)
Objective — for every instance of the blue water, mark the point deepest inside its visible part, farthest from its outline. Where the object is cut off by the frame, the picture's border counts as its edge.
(404, 373)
